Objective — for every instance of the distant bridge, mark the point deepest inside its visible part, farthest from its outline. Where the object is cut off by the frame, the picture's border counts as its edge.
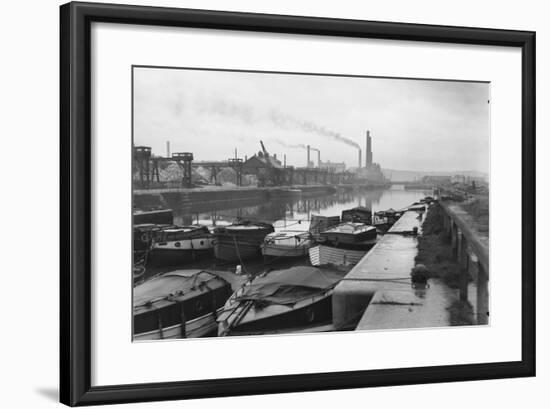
(410, 183)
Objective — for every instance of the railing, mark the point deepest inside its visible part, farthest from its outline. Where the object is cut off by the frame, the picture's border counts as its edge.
(473, 256)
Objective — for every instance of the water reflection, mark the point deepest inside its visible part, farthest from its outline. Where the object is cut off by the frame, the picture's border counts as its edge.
(296, 211)
(288, 212)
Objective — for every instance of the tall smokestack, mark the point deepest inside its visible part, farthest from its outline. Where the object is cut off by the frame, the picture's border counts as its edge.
(308, 153)
(369, 151)
(318, 158)
(359, 157)
(167, 149)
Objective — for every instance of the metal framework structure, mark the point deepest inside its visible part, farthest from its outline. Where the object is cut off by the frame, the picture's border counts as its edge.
(147, 167)
(147, 171)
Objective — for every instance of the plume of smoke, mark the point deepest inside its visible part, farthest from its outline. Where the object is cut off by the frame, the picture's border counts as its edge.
(289, 122)
(289, 145)
(293, 146)
(247, 114)
(226, 108)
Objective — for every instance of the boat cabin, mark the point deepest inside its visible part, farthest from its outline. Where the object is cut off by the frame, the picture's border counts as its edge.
(321, 223)
(349, 233)
(164, 303)
(144, 234)
(358, 214)
(182, 233)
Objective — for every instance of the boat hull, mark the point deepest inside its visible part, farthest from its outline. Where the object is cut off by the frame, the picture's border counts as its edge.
(383, 227)
(170, 253)
(162, 216)
(274, 250)
(174, 257)
(195, 328)
(240, 241)
(236, 250)
(292, 319)
(190, 297)
(321, 255)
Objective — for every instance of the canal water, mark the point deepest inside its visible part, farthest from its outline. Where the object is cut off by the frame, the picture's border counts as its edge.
(296, 210)
(294, 213)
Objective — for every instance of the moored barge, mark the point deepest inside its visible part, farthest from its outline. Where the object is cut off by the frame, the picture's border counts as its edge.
(240, 241)
(348, 233)
(181, 304)
(344, 244)
(383, 220)
(181, 244)
(291, 299)
(359, 214)
(153, 216)
(287, 243)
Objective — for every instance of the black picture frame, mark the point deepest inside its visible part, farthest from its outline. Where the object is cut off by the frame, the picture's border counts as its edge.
(75, 203)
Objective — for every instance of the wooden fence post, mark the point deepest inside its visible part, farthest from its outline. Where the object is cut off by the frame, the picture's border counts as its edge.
(482, 295)
(460, 253)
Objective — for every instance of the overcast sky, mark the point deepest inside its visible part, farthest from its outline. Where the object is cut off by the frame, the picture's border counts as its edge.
(415, 124)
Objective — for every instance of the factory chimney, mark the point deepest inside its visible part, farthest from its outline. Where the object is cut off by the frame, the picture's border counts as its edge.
(359, 157)
(308, 157)
(167, 149)
(369, 151)
(318, 158)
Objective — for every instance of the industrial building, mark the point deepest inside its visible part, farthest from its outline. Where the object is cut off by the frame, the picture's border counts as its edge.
(261, 160)
(265, 167)
(336, 167)
(372, 171)
(261, 169)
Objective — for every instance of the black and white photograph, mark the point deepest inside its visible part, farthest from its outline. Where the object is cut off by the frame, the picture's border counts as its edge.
(275, 204)
(268, 203)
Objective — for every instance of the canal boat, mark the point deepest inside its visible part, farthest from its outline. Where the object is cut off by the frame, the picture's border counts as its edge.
(385, 219)
(320, 224)
(153, 216)
(348, 233)
(286, 300)
(181, 304)
(359, 214)
(180, 244)
(138, 272)
(344, 244)
(287, 243)
(326, 254)
(241, 240)
(144, 234)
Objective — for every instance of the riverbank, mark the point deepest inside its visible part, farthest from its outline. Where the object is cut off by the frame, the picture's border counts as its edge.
(181, 197)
